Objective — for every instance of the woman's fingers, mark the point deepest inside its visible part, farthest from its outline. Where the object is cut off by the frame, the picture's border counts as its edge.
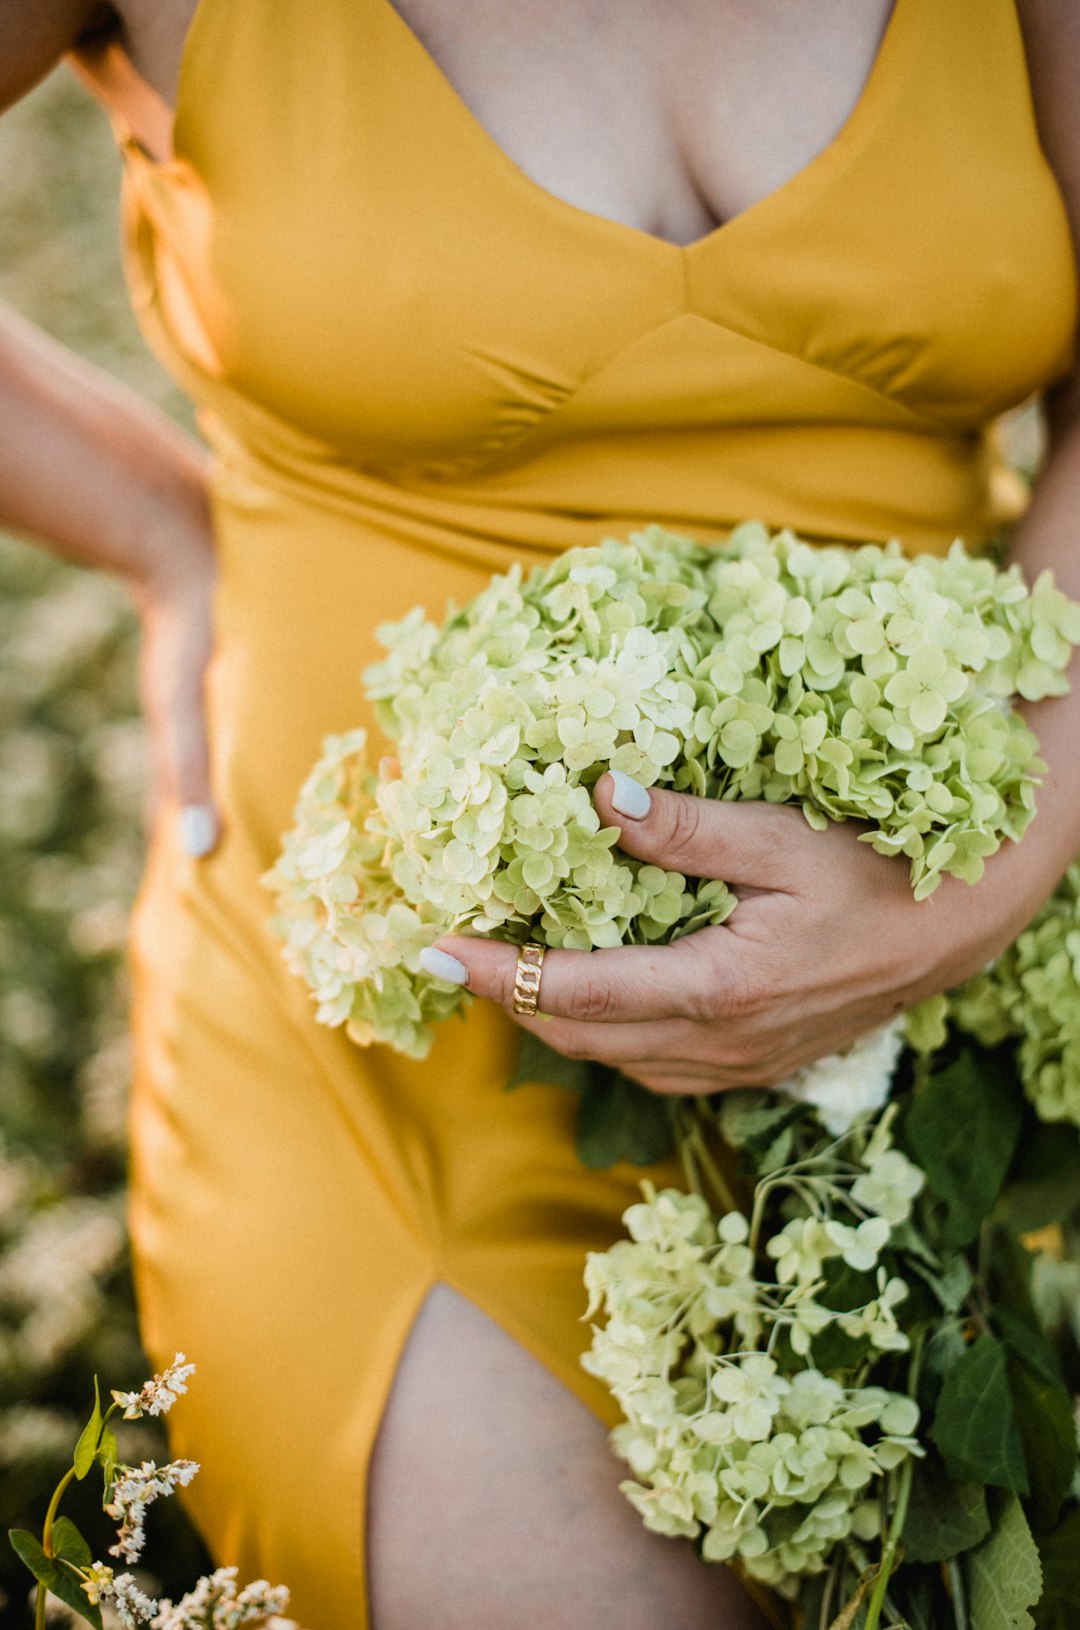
(694, 979)
(753, 845)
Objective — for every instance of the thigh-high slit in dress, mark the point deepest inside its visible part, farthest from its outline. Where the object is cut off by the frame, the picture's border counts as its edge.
(415, 366)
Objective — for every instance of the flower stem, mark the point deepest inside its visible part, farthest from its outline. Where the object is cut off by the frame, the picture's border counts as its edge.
(689, 1166)
(890, 1550)
(956, 1590)
(54, 1505)
(708, 1165)
(46, 1544)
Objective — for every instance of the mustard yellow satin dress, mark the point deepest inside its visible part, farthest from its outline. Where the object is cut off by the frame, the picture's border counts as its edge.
(414, 366)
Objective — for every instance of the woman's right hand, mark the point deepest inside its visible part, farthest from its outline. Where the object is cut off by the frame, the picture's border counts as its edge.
(176, 612)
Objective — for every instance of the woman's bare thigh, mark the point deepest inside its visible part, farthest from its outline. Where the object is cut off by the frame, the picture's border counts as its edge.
(493, 1502)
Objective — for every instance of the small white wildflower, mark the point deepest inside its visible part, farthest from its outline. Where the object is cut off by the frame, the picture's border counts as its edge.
(136, 1488)
(214, 1600)
(877, 1321)
(157, 1397)
(133, 1607)
(97, 1581)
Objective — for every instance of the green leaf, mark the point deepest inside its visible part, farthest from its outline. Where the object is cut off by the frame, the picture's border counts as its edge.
(962, 1129)
(1044, 1180)
(68, 1543)
(1008, 1276)
(539, 1062)
(622, 1120)
(1004, 1574)
(86, 1448)
(108, 1453)
(1048, 1429)
(1028, 1343)
(950, 1285)
(917, 1592)
(833, 1349)
(812, 1599)
(975, 1426)
(1059, 1605)
(845, 1288)
(54, 1576)
(752, 1118)
(943, 1517)
(945, 1346)
(1044, 1410)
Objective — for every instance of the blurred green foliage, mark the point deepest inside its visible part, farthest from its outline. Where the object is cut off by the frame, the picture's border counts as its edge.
(72, 768)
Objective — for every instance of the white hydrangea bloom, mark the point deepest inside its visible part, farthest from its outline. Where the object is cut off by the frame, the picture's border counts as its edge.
(846, 1087)
(889, 1186)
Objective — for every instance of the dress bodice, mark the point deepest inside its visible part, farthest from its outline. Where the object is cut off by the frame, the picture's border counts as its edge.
(373, 304)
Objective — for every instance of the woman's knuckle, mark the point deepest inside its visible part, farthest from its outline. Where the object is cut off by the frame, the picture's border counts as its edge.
(744, 996)
(699, 1001)
(685, 832)
(596, 1000)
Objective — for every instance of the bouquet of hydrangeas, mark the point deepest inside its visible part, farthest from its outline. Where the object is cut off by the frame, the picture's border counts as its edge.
(855, 682)
(849, 1370)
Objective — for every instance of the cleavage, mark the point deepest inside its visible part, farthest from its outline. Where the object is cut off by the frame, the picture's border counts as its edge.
(701, 107)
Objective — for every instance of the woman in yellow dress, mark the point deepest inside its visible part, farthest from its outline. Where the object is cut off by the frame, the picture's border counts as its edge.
(454, 287)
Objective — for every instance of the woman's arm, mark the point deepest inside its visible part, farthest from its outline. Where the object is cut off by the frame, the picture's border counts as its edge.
(1049, 535)
(92, 472)
(90, 469)
(97, 475)
(827, 941)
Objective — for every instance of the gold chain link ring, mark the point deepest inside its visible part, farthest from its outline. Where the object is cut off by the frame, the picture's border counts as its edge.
(527, 978)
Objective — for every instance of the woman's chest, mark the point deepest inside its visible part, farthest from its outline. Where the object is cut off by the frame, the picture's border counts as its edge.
(670, 116)
(343, 241)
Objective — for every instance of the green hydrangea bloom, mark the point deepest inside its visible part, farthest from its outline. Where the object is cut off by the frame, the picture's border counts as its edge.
(733, 1436)
(1030, 995)
(854, 682)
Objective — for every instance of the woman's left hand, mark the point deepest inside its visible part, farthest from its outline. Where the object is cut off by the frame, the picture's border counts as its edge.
(825, 944)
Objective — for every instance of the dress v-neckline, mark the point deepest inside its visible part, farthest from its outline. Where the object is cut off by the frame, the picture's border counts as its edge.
(652, 240)
(649, 242)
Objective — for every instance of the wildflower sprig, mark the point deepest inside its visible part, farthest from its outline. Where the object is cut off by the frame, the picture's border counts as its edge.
(855, 682)
(62, 1561)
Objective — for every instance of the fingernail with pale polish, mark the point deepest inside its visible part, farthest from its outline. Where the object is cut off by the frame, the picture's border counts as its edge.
(198, 830)
(441, 965)
(629, 797)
